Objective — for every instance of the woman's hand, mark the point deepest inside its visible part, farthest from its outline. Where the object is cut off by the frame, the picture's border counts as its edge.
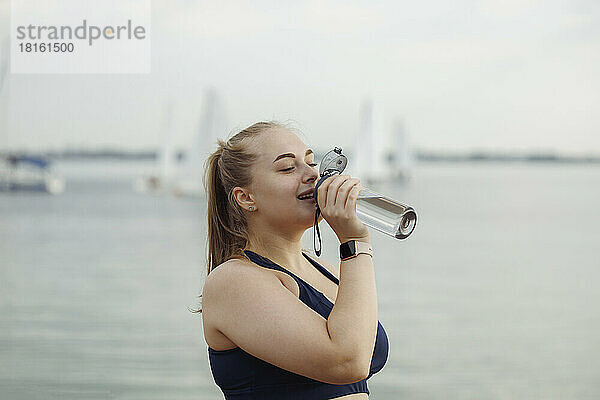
(336, 197)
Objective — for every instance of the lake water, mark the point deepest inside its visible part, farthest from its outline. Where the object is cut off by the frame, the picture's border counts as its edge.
(496, 294)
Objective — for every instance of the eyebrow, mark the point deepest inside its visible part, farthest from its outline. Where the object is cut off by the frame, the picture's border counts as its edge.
(279, 157)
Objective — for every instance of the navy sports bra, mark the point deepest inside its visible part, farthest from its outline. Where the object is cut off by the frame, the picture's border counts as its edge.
(240, 375)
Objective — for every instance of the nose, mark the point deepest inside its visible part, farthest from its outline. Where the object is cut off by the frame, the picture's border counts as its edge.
(311, 176)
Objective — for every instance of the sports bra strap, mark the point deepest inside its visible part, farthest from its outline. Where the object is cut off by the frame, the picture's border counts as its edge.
(265, 262)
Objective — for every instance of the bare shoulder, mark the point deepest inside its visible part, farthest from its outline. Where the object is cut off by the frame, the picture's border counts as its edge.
(225, 280)
(221, 276)
(328, 266)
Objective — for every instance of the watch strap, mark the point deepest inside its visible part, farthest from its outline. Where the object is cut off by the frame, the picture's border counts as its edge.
(353, 248)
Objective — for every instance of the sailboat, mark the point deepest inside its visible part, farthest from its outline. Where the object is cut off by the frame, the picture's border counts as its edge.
(21, 172)
(402, 158)
(185, 178)
(379, 155)
(161, 179)
(211, 127)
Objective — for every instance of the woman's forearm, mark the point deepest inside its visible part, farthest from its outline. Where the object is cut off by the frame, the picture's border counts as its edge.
(352, 323)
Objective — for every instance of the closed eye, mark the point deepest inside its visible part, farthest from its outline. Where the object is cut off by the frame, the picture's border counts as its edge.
(290, 168)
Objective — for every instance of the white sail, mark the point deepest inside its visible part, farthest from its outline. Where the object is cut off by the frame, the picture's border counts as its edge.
(370, 159)
(161, 180)
(380, 169)
(185, 179)
(212, 126)
(402, 157)
(362, 155)
(166, 156)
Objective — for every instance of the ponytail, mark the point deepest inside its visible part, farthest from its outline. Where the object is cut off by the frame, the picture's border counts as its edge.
(229, 166)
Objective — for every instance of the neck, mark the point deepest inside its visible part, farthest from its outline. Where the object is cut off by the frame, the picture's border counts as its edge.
(283, 248)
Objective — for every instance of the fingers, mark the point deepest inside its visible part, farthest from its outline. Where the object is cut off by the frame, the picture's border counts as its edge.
(343, 191)
(333, 191)
(323, 189)
(350, 205)
(322, 192)
(337, 197)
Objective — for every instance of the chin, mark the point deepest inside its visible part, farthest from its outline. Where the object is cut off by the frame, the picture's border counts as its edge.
(306, 219)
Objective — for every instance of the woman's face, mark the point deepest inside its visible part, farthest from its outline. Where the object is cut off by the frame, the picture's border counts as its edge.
(285, 168)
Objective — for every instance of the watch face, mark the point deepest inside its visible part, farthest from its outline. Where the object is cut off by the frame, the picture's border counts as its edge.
(347, 249)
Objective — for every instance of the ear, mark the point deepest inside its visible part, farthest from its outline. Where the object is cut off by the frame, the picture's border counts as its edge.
(243, 197)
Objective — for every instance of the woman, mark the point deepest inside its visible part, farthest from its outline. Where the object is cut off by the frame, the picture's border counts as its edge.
(277, 324)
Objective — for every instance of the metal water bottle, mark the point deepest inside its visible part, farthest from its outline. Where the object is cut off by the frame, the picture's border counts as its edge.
(373, 209)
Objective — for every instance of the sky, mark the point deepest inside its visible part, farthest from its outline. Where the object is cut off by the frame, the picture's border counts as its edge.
(460, 76)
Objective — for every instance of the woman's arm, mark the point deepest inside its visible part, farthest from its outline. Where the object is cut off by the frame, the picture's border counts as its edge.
(257, 312)
(352, 323)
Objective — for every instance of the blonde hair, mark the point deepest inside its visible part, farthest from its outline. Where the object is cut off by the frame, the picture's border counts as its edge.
(229, 166)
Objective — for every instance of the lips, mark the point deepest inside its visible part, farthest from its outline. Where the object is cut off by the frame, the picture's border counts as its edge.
(307, 192)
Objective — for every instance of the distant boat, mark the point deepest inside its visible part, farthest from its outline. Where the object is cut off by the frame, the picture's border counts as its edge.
(27, 173)
(401, 159)
(161, 180)
(184, 179)
(379, 155)
(211, 127)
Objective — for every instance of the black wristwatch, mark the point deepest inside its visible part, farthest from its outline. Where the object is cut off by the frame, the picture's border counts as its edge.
(352, 248)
